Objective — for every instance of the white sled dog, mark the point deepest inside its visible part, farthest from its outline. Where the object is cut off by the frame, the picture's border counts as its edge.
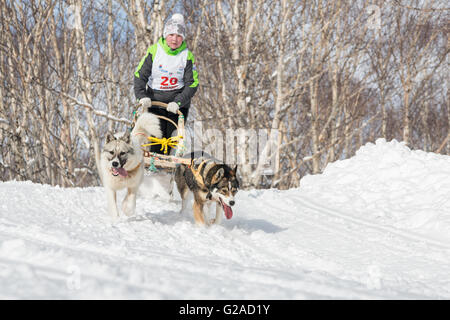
(122, 163)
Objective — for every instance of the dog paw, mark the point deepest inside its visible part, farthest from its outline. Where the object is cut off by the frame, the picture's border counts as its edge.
(128, 208)
(129, 213)
(114, 220)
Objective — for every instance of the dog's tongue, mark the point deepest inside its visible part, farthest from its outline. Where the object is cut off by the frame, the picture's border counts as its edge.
(227, 210)
(121, 171)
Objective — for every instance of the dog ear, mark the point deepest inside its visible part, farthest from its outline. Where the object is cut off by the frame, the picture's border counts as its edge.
(235, 170)
(110, 137)
(126, 136)
(217, 176)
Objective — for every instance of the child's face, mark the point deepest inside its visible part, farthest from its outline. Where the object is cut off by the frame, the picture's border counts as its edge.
(174, 41)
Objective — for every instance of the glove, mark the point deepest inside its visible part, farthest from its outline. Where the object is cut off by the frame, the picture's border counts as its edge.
(173, 107)
(146, 103)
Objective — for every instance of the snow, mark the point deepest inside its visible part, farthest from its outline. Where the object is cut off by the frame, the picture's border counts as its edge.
(371, 227)
(391, 185)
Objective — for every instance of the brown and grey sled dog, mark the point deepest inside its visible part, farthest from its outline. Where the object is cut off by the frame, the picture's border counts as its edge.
(122, 163)
(210, 182)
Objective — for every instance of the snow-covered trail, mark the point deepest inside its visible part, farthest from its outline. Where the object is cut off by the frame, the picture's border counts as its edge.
(262, 253)
(157, 254)
(59, 243)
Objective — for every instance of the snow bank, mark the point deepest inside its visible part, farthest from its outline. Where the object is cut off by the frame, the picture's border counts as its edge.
(389, 183)
(353, 232)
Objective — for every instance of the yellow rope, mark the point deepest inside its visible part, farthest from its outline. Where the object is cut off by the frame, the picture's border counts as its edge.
(164, 142)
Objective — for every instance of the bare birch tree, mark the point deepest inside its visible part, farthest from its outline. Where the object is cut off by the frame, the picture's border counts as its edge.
(317, 78)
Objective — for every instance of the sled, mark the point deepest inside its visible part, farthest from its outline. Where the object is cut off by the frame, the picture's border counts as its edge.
(152, 160)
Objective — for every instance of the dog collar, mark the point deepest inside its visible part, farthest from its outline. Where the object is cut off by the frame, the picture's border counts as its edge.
(135, 167)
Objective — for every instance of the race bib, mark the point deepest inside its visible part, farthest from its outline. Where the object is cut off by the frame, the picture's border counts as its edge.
(168, 70)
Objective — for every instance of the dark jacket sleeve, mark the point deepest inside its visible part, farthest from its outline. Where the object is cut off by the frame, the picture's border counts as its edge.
(143, 72)
(190, 84)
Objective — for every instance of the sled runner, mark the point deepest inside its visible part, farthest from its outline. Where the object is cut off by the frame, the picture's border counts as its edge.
(155, 160)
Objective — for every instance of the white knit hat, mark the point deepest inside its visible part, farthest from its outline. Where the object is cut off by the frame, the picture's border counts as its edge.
(175, 25)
